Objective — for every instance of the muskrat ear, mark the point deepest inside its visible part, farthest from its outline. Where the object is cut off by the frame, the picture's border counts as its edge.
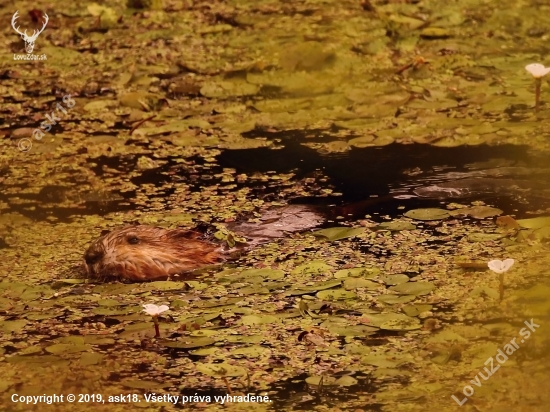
(104, 232)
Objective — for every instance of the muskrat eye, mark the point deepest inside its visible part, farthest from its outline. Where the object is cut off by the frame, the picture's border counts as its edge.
(133, 240)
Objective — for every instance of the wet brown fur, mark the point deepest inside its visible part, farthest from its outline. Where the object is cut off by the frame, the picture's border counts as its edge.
(141, 253)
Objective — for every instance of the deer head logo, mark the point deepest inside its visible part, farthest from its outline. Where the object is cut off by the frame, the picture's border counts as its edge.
(29, 40)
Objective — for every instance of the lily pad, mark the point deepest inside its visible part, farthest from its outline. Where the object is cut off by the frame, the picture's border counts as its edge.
(414, 288)
(65, 348)
(87, 359)
(318, 380)
(485, 291)
(350, 330)
(415, 310)
(12, 325)
(534, 223)
(337, 233)
(477, 212)
(259, 275)
(315, 267)
(392, 280)
(335, 294)
(346, 380)
(396, 225)
(251, 351)
(427, 214)
(402, 324)
(394, 299)
(363, 272)
(484, 237)
(45, 359)
(358, 283)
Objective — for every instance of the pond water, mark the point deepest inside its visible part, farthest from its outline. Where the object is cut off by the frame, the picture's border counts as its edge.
(362, 182)
(412, 126)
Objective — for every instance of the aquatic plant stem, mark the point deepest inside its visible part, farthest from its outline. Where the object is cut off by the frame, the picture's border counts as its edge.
(501, 286)
(156, 322)
(229, 391)
(537, 93)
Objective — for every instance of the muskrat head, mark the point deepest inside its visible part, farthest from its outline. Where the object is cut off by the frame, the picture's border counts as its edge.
(142, 253)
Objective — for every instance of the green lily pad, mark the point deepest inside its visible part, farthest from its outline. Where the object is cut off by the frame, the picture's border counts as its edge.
(350, 330)
(337, 233)
(484, 237)
(251, 351)
(379, 359)
(73, 340)
(142, 330)
(427, 214)
(258, 275)
(392, 280)
(98, 340)
(414, 288)
(328, 284)
(396, 225)
(87, 359)
(335, 294)
(211, 351)
(8, 326)
(41, 316)
(358, 283)
(401, 324)
(65, 348)
(364, 272)
(415, 310)
(394, 299)
(378, 319)
(114, 289)
(31, 350)
(346, 380)
(45, 359)
(485, 290)
(109, 311)
(534, 223)
(109, 302)
(315, 267)
(204, 333)
(477, 212)
(164, 285)
(72, 281)
(318, 380)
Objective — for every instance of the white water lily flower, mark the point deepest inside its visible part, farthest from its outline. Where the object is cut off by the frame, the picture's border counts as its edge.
(500, 266)
(537, 70)
(154, 310)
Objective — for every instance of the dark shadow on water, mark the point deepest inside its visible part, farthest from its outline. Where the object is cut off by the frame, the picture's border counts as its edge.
(376, 181)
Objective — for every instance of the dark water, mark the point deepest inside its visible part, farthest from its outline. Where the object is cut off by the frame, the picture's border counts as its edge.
(382, 179)
(376, 180)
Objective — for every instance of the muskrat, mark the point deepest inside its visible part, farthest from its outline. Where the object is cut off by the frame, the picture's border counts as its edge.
(142, 253)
